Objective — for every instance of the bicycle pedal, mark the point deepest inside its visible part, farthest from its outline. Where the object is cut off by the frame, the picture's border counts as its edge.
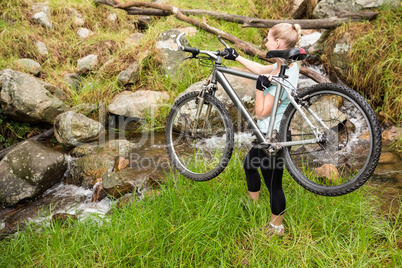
(273, 150)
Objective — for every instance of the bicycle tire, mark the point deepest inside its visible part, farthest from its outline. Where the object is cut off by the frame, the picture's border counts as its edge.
(197, 152)
(348, 157)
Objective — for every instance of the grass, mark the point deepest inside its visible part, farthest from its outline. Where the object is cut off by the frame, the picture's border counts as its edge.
(205, 224)
(189, 224)
(376, 61)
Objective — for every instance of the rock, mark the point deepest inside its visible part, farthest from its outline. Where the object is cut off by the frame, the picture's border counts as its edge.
(130, 75)
(87, 64)
(97, 159)
(42, 19)
(122, 182)
(392, 134)
(63, 219)
(72, 129)
(29, 66)
(329, 8)
(166, 43)
(299, 8)
(85, 149)
(388, 158)
(42, 49)
(74, 80)
(84, 33)
(84, 108)
(27, 99)
(134, 39)
(78, 20)
(28, 171)
(329, 172)
(112, 17)
(88, 170)
(134, 104)
(308, 40)
(318, 47)
(121, 163)
(43, 16)
(117, 148)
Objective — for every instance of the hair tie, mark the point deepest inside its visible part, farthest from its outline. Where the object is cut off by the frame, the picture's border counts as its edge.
(293, 27)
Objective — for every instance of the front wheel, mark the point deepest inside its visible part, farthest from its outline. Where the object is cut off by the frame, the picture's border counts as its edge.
(199, 136)
(351, 144)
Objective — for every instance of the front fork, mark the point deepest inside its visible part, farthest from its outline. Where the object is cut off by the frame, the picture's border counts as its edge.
(201, 102)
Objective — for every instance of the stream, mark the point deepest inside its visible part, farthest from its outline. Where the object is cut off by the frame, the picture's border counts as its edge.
(151, 158)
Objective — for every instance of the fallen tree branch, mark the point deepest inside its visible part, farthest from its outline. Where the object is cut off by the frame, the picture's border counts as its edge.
(154, 9)
(327, 23)
(247, 47)
(43, 136)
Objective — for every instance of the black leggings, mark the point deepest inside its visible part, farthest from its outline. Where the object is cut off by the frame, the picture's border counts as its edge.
(272, 171)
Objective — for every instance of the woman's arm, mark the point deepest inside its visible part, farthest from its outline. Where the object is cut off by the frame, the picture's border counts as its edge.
(254, 66)
(263, 104)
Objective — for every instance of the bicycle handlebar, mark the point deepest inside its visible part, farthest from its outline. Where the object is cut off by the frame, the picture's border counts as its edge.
(195, 51)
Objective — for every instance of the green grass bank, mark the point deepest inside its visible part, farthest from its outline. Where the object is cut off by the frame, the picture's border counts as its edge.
(208, 224)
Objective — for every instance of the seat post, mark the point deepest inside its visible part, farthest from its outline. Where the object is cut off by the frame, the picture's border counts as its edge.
(284, 67)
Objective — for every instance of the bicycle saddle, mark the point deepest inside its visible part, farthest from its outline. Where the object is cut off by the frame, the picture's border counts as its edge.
(289, 54)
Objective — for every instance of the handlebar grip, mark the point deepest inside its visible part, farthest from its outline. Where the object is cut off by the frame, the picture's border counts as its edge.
(193, 50)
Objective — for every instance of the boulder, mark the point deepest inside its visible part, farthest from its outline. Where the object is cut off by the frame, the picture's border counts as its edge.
(124, 181)
(134, 104)
(72, 128)
(74, 80)
(28, 171)
(42, 15)
(166, 43)
(329, 8)
(329, 172)
(299, 8)
(392, 134)
(27, 99)
(29, 66)
(88, 170)
(118, 148)
(87, 64)
(98, 159)
(130, 75)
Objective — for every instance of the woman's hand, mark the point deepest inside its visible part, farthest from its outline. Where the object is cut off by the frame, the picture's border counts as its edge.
(263, 82)
(232, 54)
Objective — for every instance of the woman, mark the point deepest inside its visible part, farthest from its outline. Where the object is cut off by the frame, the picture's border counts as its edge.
(280, 37)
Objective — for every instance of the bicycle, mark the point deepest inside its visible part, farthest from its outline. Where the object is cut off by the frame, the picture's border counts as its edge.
(329, 136)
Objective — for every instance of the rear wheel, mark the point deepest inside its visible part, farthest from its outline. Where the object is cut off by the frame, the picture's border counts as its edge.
(349, 152)
(199, 148)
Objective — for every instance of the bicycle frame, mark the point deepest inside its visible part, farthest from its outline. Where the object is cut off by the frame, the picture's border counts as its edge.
(218, 76)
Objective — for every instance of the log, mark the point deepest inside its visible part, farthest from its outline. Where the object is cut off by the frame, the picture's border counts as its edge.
(153, 9)
(327, 23)
(43, 136)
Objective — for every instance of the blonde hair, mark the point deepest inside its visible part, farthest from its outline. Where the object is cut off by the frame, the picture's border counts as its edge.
(290, 33)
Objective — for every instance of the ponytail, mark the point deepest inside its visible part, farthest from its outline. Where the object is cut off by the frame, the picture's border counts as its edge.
(290, 33)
